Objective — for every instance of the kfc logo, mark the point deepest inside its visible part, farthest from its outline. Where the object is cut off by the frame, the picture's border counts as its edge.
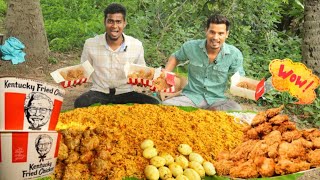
(37, 109)
(43, 145)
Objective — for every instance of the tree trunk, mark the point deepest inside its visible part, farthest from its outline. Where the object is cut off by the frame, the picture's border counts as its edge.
(24, 21)
(311, 35)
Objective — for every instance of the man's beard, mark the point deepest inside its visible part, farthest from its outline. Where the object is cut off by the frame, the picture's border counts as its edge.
(113, 38)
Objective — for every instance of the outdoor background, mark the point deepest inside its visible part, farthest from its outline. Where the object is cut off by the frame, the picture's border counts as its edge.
(262, 29)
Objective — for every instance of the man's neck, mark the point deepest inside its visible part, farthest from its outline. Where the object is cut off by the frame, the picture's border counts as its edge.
(212, 54)
(114, 44)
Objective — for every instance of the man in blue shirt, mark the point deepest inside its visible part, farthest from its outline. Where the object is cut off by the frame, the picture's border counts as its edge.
(211, 62)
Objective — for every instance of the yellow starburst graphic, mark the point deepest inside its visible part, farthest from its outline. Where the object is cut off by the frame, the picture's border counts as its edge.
(295, 78)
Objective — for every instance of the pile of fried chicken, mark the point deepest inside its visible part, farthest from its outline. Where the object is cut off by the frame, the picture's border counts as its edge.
(272, 146)
(143, 74)
(73, 74)
(247, 85)
(161, 83)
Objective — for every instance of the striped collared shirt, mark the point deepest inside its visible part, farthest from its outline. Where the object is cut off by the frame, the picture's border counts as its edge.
(109, 64)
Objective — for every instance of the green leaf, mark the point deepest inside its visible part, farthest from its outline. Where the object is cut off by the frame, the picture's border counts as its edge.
(130, 178)
(187, 108)
(215, 178)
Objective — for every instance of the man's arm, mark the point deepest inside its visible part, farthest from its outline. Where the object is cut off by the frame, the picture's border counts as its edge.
(172, 63)
(237, 65)
(141, 59)
(85, 54)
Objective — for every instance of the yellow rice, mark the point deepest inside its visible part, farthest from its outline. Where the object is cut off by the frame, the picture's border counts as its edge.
(207, 132)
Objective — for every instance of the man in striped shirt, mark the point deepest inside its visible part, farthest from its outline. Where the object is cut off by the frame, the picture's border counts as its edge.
(108, 53)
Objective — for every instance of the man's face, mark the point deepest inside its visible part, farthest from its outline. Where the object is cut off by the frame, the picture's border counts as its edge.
(114, 24)
(38, 113)
(216, 35)
(44, 146)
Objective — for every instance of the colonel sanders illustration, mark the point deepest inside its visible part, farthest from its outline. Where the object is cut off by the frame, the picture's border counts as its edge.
(43, 145)
(37, 109)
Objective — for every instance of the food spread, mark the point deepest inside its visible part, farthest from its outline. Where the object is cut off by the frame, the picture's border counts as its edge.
(105, 141)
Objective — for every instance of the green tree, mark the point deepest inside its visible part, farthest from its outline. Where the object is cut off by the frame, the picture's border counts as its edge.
(311, 35)
(24, 20)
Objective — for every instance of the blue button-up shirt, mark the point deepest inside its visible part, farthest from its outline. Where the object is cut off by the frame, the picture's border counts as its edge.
(208, 81)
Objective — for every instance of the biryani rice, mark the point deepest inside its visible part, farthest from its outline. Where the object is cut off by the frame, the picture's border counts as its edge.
(122, 128)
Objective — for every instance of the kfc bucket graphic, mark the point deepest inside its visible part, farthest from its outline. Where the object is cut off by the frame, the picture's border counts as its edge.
(29, 105)
(28, 155)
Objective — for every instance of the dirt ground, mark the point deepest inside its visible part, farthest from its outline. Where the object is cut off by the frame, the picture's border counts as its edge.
(68, 59)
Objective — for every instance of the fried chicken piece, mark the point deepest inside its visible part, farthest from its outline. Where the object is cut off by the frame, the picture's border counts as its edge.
(260, 149)
(73, 157)
(133, 75)
(246, 85)
(246, 128)
(273, 150)
(89, 143)
(305, 143)
(76, 171)
(285, 126)
(289, 150)
(97, 177)
(63, 151)
(59, 170)
(242, 151)
(140, 73)
(273, 137)
(314, 158)
(261, 117)
(149, 75)
(316, 142)
(223, 155)
(251, 134)
(87, 157)
(247, 169)
(308, 134)
(223, 167)
(64, 74)
(99, 167)
(279, 119)
(289, 136)
(73, 74)
(160, 83)
(285, 166)
(274, 111)
(264, 129)
(265, 166)
(137, 74)
(72, 138)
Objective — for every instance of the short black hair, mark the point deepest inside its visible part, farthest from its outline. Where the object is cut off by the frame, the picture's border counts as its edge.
(115, 8)
(218, 19)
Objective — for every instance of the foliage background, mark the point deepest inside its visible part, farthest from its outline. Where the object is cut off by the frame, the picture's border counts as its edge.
(262, 29)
